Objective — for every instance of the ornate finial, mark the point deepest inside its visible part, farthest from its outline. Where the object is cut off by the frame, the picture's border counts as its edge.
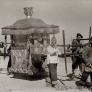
(28, 11)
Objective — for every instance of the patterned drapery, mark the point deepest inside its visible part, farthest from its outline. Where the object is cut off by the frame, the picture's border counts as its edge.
(20, 64)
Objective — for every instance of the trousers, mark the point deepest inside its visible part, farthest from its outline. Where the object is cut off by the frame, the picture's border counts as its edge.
(53, 73)
(85, 76)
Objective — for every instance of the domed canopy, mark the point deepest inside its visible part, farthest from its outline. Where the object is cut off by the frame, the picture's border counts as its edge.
(29, 26)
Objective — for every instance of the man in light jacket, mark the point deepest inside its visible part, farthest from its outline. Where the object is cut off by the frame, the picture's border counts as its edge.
(52, 61)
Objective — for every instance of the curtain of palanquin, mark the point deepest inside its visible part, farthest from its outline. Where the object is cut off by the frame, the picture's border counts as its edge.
(19, 62)
(18, 59)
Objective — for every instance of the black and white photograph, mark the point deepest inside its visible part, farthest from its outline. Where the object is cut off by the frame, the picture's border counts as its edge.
(45, 45)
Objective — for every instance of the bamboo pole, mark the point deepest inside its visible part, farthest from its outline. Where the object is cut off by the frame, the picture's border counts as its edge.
(64, 51)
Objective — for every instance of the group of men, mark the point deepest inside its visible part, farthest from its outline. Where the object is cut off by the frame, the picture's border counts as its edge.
(82, 57)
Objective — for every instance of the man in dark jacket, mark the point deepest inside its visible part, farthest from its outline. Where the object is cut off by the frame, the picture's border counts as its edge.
(76, 50)
(87, 56)
(9, 62)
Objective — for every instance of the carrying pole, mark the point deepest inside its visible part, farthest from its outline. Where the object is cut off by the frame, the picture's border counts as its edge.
(64, 51)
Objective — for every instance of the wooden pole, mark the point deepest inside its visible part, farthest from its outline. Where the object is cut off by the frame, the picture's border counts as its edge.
(5, 46)
(90, 32)
(64, 51)
(83, 38)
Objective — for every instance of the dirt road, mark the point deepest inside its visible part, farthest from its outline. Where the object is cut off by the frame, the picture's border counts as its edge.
(8, 84)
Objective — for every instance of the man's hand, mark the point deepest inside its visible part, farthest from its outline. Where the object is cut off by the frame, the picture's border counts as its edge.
(89, 65)
(53, 54)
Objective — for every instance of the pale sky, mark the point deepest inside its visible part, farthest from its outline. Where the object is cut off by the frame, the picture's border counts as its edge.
(73, 16)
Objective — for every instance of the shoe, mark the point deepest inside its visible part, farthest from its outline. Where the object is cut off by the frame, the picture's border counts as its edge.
(71, 76)
(11, 75)
(8, 73)
(80, 83)
(48, 84)
(58, 86)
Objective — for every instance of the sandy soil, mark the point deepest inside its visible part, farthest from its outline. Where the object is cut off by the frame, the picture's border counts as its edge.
(8, 84)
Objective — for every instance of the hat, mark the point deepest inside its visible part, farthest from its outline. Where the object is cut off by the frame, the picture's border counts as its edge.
(78, 34)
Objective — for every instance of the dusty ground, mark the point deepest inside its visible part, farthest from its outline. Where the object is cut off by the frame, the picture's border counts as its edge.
(8, 84)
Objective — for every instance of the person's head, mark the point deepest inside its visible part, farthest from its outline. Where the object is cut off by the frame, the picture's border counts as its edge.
(45, 42)
(35, 41)
(53, 41)
(90, 40)
(28, 41)
(79, 36)
(40, 40)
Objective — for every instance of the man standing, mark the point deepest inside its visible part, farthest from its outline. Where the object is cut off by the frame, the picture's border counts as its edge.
(52, 61)
(9, 62)
(76, 50)
(87, 56)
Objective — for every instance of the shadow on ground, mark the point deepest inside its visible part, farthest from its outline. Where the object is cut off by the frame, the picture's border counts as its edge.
(38, 76)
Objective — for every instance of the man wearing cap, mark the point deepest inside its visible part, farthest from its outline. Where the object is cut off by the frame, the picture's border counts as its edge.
(87, 56)
(52, 61)
(76, 50)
